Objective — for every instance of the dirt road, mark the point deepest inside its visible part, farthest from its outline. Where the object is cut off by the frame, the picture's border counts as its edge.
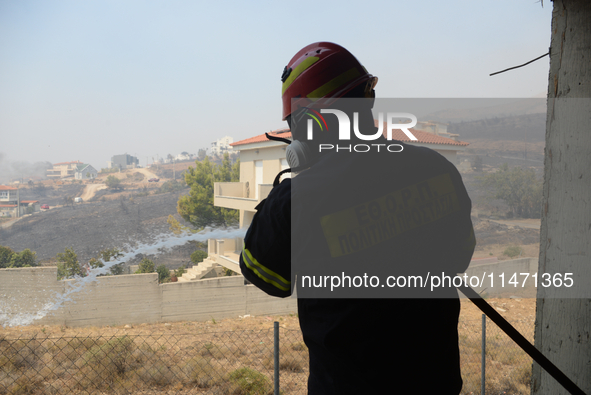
(91, 190)
(524, 223)
(147, 173)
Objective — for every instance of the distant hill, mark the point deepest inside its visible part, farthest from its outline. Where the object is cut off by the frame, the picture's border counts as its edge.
(462, 110)
(530, 128)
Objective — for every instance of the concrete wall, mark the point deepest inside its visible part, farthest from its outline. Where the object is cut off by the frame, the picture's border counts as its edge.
(130, 299)
(508, 268)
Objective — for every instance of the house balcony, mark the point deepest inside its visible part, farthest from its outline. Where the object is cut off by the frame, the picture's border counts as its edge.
(239, 195)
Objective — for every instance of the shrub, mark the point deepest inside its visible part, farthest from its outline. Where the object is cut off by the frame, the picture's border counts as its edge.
(108, 362)
(180, 271)
(113, 182)
(200, 372)
(198, 256)
(163, 273)
(146, 266)
(5, 256)
(25, 258)
(512, 251)
(170, 186)
(250, 381)
(20, 354)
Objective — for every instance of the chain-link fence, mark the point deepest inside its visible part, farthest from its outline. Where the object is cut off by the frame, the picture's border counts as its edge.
(504, 368)
(237, 362)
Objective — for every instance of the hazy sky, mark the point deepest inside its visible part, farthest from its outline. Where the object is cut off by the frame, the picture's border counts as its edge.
(86, 80)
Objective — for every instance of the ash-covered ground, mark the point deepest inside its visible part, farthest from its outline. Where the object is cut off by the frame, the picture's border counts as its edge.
(101, 224)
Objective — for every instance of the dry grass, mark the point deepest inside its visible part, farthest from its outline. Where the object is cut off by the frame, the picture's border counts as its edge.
(175, 362)
(207, 357)
(508, 368)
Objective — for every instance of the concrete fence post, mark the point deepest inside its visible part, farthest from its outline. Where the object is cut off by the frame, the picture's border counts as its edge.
(483, 359)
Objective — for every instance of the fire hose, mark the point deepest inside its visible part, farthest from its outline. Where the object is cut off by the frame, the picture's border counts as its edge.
(521, 341)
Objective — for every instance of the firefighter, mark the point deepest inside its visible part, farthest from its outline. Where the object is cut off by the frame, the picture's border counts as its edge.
(349, 214)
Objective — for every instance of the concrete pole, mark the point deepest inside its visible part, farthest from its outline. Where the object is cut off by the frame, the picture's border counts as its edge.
(563, 325)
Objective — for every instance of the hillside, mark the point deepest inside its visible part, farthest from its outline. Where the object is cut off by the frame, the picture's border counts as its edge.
(116, 220)
(138, 211)
(93, 226)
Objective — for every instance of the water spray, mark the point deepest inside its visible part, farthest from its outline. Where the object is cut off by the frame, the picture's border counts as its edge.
(78, 284)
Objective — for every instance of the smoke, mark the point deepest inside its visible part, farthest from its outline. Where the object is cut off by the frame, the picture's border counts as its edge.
(164, 241)
(21, 170)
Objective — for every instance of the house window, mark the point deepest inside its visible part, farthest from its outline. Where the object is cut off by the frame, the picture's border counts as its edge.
(3, 194)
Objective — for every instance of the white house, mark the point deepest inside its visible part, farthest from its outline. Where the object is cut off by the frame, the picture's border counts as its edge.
(12, 206)
(261, 159)
(85, 172)
(221, 146)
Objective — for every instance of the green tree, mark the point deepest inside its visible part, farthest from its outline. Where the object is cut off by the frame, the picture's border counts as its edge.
(146, 266)
(518, 187)
(201, 154)
(5, 256)
(25, 258)
(197, 207)
(113, 254)
(95, 263)
(68, 265)
(113, 182)
(163, 273)
(198, 256)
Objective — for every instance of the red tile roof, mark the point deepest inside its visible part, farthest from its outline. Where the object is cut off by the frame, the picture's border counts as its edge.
(284, 133)
(67, 163)
(423, 137)
(7, 188)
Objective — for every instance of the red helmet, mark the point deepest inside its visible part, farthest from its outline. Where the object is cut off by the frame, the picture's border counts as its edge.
(319, 71)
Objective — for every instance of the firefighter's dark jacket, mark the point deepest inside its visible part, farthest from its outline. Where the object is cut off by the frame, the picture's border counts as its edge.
(360, 346)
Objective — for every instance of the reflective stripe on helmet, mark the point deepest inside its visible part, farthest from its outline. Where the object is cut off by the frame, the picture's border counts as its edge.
(300, 68)
(264, 273)
(334, 84)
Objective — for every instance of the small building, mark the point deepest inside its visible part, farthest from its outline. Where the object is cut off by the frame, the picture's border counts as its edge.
(85, 172)
(30, 206)
(124, 161)
(63, 170)
(222, 145)
(183, 157)
(12, 206)
(8, 201)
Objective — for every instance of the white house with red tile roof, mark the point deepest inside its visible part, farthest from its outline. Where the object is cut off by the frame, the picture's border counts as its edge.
(261, 159)
(10, 202)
